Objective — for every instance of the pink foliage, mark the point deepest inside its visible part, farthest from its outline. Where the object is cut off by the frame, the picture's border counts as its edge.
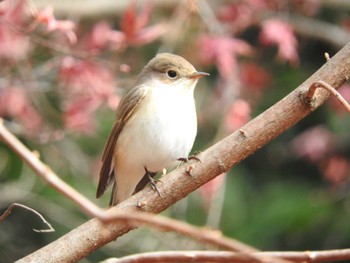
(133, 30)
(313, 144)
(99, 36)
(336, 169)
(83, 77)
(209, 190)
(87, 85)
(46, 17)
(254, 78)
(238, 115)
(241, 14)
(15, 103)
(223, 51)
(277, 32)
(307, 7)
(14, 45)
(133, 26)
(78, 115)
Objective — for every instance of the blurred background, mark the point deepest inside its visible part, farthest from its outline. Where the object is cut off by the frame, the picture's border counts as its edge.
(65, 64)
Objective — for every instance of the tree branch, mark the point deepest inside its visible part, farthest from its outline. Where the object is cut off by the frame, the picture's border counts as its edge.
(224, 256)
(326, 86)
(215, 160)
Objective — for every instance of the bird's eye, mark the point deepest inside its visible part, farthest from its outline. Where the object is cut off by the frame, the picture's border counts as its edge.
(172, 74)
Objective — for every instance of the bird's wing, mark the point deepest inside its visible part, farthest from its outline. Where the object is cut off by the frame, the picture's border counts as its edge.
(128, 105)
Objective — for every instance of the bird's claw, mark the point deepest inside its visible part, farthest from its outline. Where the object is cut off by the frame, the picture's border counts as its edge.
(189, 158)
(153, 182)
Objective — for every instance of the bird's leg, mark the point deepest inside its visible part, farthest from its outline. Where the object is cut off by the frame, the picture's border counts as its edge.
(152, 181)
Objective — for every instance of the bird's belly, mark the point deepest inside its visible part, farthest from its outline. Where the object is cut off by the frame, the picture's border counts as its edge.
(159, 136)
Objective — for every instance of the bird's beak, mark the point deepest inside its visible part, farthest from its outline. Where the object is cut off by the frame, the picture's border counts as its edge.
(198, 75)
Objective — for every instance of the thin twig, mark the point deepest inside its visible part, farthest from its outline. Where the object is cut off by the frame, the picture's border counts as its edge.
(213, 237)
(224, 256)
(205, 235)
(45, 172)
(11, 207)
(326, 86)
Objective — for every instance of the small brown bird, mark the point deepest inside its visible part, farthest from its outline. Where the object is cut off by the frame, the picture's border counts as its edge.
(156, 124)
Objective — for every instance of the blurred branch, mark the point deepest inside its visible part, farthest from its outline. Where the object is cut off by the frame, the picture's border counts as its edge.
(212, 237)
(339, 4)
(318, 29)
(224, 256)
(208, 236)
(91, 8)
(215, 160)
(11, 207)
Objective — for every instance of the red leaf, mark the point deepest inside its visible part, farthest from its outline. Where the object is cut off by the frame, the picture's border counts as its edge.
(129, 22)
(78, 115)
(336, 169)
(148, 35)
(223, 51)
(133, 26)
(86, 78)
(281, 34)
(99, 36)
(13, 45)
(239, 15)
(313, 144)
(132, 22)
(238, 115)
(15, 103)
(254, 78)
(46, 17)
(209, 190)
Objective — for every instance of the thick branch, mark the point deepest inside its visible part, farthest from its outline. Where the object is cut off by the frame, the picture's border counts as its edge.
(217, 159)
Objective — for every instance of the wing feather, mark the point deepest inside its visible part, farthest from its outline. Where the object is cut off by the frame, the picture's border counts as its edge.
(128, 105)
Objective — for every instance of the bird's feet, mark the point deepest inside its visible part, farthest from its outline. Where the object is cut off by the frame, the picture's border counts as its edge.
(190, 167)
(153, 182)
(189, 158)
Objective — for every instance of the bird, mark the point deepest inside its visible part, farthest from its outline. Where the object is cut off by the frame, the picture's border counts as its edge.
(154, 128)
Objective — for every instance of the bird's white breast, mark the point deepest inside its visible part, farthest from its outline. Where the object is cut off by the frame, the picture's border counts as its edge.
(162, 129)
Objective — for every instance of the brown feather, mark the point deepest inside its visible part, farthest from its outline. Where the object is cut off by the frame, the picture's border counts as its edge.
(128, 104)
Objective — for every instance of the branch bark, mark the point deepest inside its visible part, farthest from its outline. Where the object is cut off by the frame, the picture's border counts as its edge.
(216, 160)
